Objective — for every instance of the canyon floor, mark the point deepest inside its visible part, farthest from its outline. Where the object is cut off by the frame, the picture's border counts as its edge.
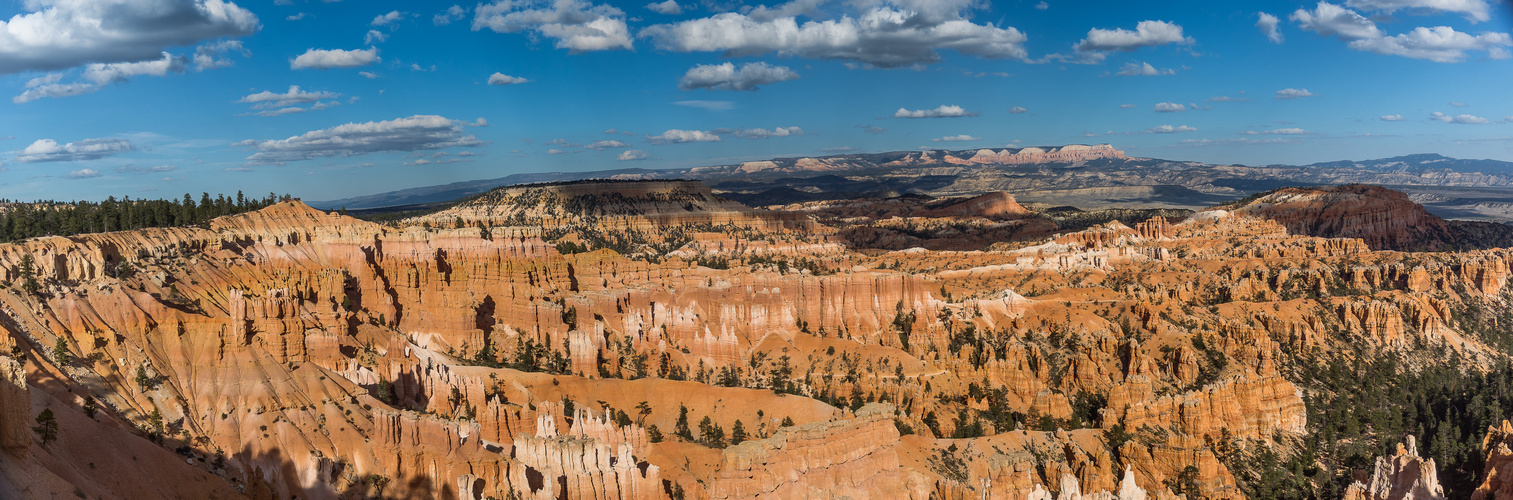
(650, 339)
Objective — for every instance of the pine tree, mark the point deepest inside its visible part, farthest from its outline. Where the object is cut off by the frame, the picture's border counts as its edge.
(47, 426)
(681, 429)
(29, 276)
(737, 433)
(60, 352)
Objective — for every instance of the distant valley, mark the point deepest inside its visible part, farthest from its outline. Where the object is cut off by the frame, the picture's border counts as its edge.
(1086, 177)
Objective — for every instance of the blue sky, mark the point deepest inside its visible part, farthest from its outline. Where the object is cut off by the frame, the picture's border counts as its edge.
(328, 99)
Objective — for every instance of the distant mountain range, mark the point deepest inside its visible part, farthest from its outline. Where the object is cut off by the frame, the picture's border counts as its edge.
(1096, 176)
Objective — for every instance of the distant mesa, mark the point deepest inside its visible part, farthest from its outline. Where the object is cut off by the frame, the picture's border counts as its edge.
(1385, 219)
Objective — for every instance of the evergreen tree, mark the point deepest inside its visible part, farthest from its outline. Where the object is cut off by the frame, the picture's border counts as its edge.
(60, 352)
(737, 433)
(47, 426)
(29, 276)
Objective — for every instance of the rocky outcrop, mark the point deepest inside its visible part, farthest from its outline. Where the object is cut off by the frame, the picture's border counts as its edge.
(1384, 218)
(855, 458)
(1497, 478)
(15, 408)
(1403, 476)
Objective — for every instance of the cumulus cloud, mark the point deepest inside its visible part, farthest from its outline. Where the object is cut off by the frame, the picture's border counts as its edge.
(631, 155)
(956, 138)
(335, 58)
(1127, 106)
(727, 77)
(1145, 34)
(885, 33)
(1328, 19)
(1143, 69)
(1439, 44)
(503, 79)
(1017, 110)
(706, 105)
(415, 133)
(48, 150)
(1042, 6)
(375, 37)
(1291, 93)
(1268, 26)
(99, 75)
(676, 136)
(603, 145)
(1169, 107)
(1392, 118)
(760, 133)
(368, 74)
(577, 25)
(388, 19)
(1168, 129)
(209, 56)
(54, 35)
(295, 17)
(86, 173)
(1461, 119)
(670, 7)
(269, 99)
(1475, 10)
(452, 14)
(944, 111)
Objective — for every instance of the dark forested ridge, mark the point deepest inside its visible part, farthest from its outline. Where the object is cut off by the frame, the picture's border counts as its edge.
(22, 220)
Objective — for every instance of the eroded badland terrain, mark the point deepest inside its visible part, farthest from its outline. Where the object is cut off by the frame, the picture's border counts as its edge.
(606, 340)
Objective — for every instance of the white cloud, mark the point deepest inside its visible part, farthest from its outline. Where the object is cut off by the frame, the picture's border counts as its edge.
(296, 17)
(48, 150)
(1016, 110)
(1042, 6)
(603, 145)
(727, 77)
(1225, 98)
(956, 138)
(1169, 107)
(99, 75)
(555, 151)
(375, 37)
(503, 79)
(336, 58)
(886, 33)
(208, 56)
(670, 7)
(1291, 93)
(871, 129)
(1168, 129)
(1475, 10)
(676, 136)
(368, 74)
(1280, 131)
(576, 25)
(87, 173)
(387, 19)
(1392, 118)
(1439, 44)
(631, 155)
(452, 14)
(59, 34)
(1458, 104)
(415, 133)
(944, 111)
(707, 105)
(1268, 25)
(268, 99)
(1146, 34)
(1328, 19)
(1461, 119)
(417, 67)
(761, 133)
(1127, 106)
(1143, 69)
